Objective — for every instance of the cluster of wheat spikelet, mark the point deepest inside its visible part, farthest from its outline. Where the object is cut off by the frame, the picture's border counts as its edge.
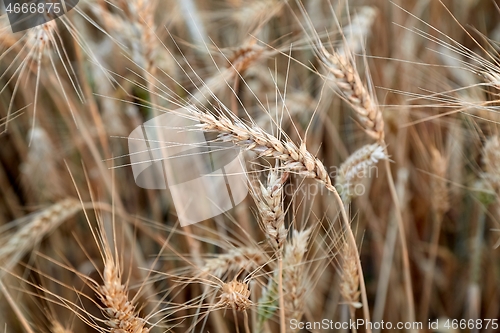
(371, 147)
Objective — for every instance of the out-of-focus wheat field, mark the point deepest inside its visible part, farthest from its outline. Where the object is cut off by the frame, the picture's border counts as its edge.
(371, 148)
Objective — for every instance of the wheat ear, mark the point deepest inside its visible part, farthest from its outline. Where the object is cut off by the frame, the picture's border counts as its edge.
(235, 295)
(32, 233)
(295, 159)
(236, 259)
(293, 277)
(351, 87)
(269, 203)
(349, 285)
(121, 313)
(356, 167)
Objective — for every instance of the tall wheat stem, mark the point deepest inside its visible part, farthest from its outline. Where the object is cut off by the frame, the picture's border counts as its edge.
(404, 247)
(282, 299)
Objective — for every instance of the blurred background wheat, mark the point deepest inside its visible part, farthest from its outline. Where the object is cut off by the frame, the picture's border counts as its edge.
(369, 131)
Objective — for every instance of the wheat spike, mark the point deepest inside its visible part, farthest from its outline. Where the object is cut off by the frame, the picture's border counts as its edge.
(356, 167)
(236, 259)
(351, 87)
(32, 233)
(39, 37)
(235, 295)
(349, 285)
(254, 138)
(357, 31)
(121, 313)
(269, 202)
(293, 277)
(245, 55)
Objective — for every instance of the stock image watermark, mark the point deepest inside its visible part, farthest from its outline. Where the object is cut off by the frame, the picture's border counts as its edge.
(204, 178)
(437, 324)
(28, 14)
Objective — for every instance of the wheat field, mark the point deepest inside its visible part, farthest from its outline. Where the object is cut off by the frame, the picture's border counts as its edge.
(251, 166)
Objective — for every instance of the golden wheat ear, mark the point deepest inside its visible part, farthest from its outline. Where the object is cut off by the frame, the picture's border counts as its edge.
(30, 235)
(357, 167)
(269, 201)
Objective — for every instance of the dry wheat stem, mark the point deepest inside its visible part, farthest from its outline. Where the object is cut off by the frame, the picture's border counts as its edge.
(13, 304)
(440, 203)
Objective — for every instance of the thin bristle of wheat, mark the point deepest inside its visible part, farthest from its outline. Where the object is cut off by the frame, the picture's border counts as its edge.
(269, 203)
(236, 259)
(32, 233)
(235, 295)
(295, 159)
(293, 277)
(121, 313)
(349, 285)
(356, 167)
(352, 88)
